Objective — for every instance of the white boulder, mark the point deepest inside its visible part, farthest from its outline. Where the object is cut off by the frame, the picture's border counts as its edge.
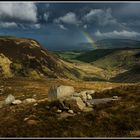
(115, 97)
(57, 92)
(59, 111)
(16, 102)
(70, 111)
(10, 98)
(89, 97)
(29, 100)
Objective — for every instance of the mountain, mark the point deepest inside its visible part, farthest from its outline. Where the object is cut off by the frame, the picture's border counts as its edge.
(26, 57)
(117, 43)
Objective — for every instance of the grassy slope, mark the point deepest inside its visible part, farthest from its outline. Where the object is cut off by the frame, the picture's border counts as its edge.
(120, 118)
(111, 62)
(89, 72)
(29, 58)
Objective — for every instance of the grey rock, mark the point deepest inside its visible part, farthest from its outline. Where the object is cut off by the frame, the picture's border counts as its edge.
(115, 97)
(10, 98)
(16, 102)
(89, 97)
(70, 111)
(29, 100)
(59, 111)
(57, 92)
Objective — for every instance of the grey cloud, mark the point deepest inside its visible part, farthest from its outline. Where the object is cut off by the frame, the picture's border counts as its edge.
(117, 34)
(102, 18)
(69, 18)
(8, 25)
(11, 12)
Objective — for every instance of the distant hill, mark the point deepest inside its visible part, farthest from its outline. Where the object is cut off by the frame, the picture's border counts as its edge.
(114, 61)
(117, 43)
(26, 57)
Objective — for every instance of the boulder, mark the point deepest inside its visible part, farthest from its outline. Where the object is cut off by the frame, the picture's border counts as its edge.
(29, 100)
(59, 111)
(88, 92)
(83, 96)
(70, 111)
(16, 102)
(89, 97)
(10, 98)
(74, 103)
(57, 92)
(115, 97)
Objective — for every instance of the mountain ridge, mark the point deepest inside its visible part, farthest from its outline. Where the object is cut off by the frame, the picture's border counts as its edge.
(27, 57)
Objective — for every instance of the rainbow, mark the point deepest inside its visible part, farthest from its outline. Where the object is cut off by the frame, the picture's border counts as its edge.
(89, 39)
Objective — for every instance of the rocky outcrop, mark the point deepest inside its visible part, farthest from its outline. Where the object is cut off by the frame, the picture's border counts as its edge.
(65, 98)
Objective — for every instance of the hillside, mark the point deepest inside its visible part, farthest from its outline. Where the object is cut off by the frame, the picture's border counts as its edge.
(39, 119)
(111, 62)
(26, 57)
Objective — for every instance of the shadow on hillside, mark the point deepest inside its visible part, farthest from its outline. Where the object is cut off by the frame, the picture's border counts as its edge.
(95, 55)
(131, 76)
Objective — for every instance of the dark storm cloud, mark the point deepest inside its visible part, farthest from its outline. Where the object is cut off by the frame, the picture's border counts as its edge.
(60, 24)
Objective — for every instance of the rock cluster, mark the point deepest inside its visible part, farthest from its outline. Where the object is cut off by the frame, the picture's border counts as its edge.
(10, 100)
(68, 99)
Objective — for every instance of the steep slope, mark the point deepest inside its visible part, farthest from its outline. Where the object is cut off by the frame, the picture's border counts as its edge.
(26, 57)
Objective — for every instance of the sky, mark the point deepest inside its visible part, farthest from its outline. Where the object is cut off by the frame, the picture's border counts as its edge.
(66, 26)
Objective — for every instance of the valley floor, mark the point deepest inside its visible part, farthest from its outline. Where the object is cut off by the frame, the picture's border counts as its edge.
(116, 119)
